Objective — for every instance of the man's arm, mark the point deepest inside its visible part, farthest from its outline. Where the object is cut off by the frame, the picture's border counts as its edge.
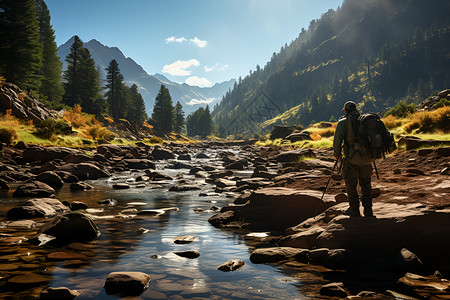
(339, 137)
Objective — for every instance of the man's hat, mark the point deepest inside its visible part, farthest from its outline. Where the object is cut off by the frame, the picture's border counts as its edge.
(349, 106)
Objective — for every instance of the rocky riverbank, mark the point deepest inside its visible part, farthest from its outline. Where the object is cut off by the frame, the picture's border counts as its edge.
(278, 191)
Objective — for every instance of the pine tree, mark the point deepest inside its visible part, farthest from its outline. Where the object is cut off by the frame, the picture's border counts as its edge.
(51, 88)
(89, 93)
(20, 48)
(136, 111)
(200, 123)
(179, 118)
(116, 94)
(163, 112)
(72, 76)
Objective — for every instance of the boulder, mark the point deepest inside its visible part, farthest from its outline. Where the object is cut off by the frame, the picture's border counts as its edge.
(135, 163)
(4, 185)
(275, 254)
(234, 166)
(126, 283)
(37, 208)
(59, 293)
(43, 154)
(114, 149)
(80, 186)
(294, 155)
(50, 178)
(279, 207)
(334, 289)
(231, 265)
(280, 132)
(84, 171)
(185, 188)
(76, 158)
(120, 186)
(188, 254)
(298, 136)
(184, 157)
(71, 227)
(221, 219)
(185, 239)
(161, 154)
(34, 189)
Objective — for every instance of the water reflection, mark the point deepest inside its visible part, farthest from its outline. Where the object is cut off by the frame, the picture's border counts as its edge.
(122, 247)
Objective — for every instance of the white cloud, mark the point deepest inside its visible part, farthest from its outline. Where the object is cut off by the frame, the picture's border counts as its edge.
(209, 69)
(197, 81)
(224, 67)
(203, 101)
(173, 39)
(199, 43)
(180, 67)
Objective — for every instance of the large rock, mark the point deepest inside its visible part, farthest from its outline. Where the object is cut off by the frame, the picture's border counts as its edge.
(50, 178)
(134, 163)
(45, 154)
(59, 293)
(71, 227)
(298, 136)
(34, 189)
(294, 155)
(275, 254)
(280, 132)
(84, 171)
(417, 227)
(126, 283)
(279, 208)
(37, 208)
(160, 154)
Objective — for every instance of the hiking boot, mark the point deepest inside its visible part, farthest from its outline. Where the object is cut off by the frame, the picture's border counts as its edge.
(352, 212)
(368, 213)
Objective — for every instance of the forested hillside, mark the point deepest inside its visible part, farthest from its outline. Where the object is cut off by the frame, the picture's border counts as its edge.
(375, 52)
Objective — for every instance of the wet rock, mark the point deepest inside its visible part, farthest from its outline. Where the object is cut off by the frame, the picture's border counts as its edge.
(71, 227)
(407, 261)
(120, 186)
(41, 239)
(234, 166)
(58, 293)
(424, 152)
(67, 177)
(223, 183)
(179, 165)
(425, 287)
(43, 154)
(77, 205)
(76, 158)
(84, 171)
(126, 283)
(185, 239)
(157, 176)
(221, 174)
(194, 170)
(107, 202)
(188, 254)
(161, 154)
(443, 151)
(341, 259)
(221, 219)
(34, 189)
(334, 289)
(80, 186)
(185, 188)
(275, 254)
(184, 157)
(253, 183)
(202, 156)
(50, 178)
(37, 208)
(231, 265)
(64, 255)
(139, 163)
(318, 255)
(415, 172)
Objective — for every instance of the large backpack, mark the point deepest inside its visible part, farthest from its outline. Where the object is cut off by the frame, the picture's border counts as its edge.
(371, 138)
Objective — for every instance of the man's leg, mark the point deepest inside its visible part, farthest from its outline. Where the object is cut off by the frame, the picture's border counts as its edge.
(366, 189)
(350, 173)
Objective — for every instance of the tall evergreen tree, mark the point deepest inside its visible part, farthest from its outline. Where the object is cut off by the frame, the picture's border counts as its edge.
(20, 48)
(89, 93)
(180, 122)
(163, 112)
(72, 76)
(51, 88)
(116, 95)
(136, 111)
(199, 122)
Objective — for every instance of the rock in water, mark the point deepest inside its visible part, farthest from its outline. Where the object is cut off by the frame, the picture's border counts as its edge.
(126, 283)
(188, 254)
(37, 208)
(71, 227)
(231, 265)
(34, 189)
(59, 293)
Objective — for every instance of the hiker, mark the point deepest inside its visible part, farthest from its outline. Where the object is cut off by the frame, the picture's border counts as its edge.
(351, 172)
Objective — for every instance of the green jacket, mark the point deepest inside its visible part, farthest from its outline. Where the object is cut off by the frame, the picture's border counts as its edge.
(341, 137)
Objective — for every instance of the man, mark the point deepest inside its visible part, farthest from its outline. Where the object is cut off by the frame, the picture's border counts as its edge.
(352, 173)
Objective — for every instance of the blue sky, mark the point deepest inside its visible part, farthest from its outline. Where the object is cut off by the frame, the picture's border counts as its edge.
(200, 42)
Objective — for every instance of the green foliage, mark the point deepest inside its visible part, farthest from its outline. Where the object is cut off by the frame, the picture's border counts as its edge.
(49, 127)
(81, 79)
(163, 111)
(332, 119)
(180, 122)
(136, 110)
(401, 109)
(200, 123)
(117, 91)
(20, 48)
(7, 135)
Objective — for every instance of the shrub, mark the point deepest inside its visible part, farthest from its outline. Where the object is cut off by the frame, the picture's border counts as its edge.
(8, 135)
(46, 129)
(430, 121)
(155, 140)
(442, 102)
(97, 132)
(401, 109)
(326, 132)
(442, 118)
(391, 122)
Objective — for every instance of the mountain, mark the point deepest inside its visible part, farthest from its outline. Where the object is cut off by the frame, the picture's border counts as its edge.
(374, 52)
(191, 97)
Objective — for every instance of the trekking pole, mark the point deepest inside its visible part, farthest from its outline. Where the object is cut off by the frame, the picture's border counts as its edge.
(329, 179)
(376, 171)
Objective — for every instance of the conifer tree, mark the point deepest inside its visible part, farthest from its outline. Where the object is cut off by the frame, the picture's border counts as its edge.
(179, 118)
(116, 95)
(163, 112)
(136, 111)
(199, 122)
(72, 76)
(20, 48)
(51, 88)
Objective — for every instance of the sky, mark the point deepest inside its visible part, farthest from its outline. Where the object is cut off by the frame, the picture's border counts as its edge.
(198, 42)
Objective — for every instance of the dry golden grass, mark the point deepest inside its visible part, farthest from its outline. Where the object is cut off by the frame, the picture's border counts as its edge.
(391, 122)
(87, 125)
(430, 121)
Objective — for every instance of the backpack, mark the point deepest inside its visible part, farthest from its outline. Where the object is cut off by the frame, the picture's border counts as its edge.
(371, 138)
